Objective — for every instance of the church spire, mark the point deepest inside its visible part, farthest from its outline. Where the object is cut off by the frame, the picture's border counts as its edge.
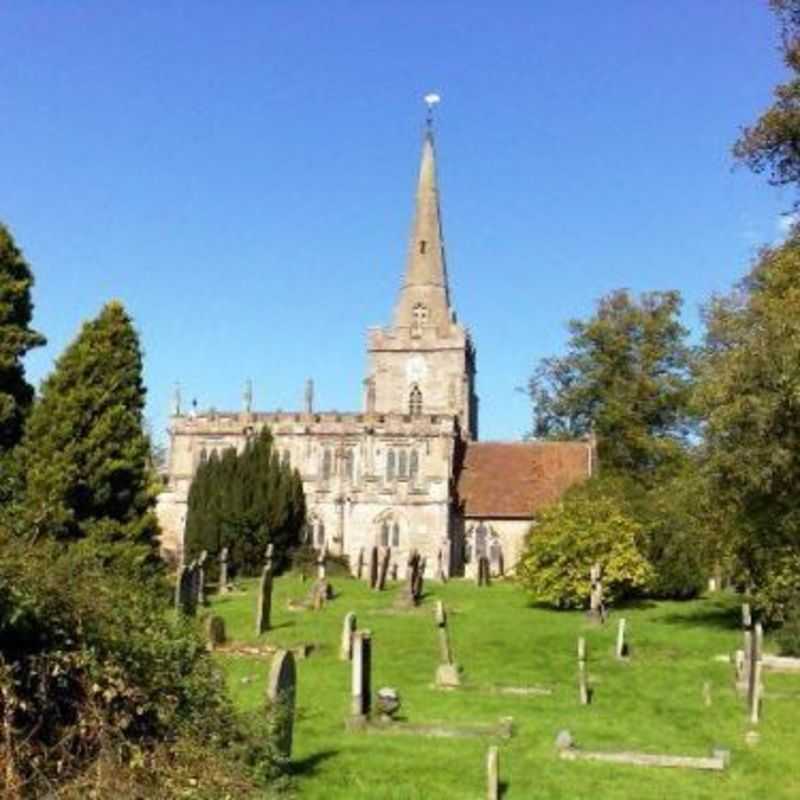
(424, 297)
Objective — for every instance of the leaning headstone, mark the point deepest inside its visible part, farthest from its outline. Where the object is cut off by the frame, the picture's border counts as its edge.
(447, 673)
(216, 632)
(493, 774)
(419, 577)
(384, 569)
(360, 677)
(373, 567)
(583, 685)
(622, 647)
(281, 694)
(754, 687)
(264, 609)
(348, 630)
(223, 571)
(409, 596)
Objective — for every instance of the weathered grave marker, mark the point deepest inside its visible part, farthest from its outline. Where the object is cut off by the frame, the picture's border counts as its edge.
(201, 578)
(360, 564)
(264, 609)
(394, 571)
(216, 632)
(597, 609)
(754, 687)
(622, 647)
(321, 571)
(360, 677)
(447, 673)
(281, 695)
(223, 571)
(373, 567)
(484, 572)
(383, 570)
(493, 774)
(583, 685)
(747, 636)
(348, 630)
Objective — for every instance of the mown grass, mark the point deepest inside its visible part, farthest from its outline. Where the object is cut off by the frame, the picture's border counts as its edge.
(652, 702)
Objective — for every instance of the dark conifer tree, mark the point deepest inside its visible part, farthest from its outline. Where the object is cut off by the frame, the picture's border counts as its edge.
(86, 456)
(16, 339)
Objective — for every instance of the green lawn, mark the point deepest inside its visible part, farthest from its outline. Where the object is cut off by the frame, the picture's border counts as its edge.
(653, 702)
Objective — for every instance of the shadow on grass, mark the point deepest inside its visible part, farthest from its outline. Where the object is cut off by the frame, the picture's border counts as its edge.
(503, 788)
(723, 616)
(307, 766)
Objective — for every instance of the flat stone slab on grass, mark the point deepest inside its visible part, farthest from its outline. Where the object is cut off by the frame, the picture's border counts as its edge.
(299, 651)
(504, 729)
(717, 762)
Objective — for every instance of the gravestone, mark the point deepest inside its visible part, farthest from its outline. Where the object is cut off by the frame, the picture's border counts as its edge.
(216, 632)
(360, 564)
(419, 577)
(348, 629)
(321, 571)
(394, 571)
(447, 673)
(373, 567)
(747, 636)
(361, 677)
(597, 611)
(264, 609)
(409, 596)
(583, 685)
(493, 774)
(201, 578)
(281, 695)
(223, 571)
(384, 568)
(622, 647)
(180, 589)
(484, 572)
(754, 687)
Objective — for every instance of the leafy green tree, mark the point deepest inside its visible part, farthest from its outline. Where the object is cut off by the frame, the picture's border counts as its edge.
(625, 377)
(85, 453)
(749, 391)
(16, 339)
(772, 144)
(590, 525)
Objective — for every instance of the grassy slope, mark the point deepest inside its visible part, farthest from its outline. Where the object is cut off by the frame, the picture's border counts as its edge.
(653, 703)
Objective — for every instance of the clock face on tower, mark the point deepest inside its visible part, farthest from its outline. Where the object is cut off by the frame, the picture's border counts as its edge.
(416, 369)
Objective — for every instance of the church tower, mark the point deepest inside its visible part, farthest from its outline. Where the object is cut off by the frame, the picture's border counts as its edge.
(424, 363)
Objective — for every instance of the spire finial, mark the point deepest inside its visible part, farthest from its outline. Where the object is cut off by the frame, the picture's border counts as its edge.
(431, 99)
(176, 401)
(247, 396)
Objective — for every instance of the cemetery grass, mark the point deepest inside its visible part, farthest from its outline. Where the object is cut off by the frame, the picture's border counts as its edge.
(652, 702)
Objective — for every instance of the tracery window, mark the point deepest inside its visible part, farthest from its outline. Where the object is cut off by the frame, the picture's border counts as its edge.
(481, 532)
(390, 464)
(384, 534)
(396, 534)
(326, 464)
(415, 401)
(402, 464)
(347, 464)
(413, 465)
(203, 456)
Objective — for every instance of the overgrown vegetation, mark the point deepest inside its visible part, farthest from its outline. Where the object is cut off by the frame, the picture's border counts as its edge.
(243, 501)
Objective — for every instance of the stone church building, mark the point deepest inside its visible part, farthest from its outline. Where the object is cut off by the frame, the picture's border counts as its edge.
(407, 471)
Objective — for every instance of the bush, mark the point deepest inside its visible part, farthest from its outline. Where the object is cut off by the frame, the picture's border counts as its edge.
(98, 678)
(588, 526)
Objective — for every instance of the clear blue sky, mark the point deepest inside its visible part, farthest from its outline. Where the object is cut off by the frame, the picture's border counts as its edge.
(241, 174)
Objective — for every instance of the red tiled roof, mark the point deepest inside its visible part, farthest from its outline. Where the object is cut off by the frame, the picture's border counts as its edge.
(504, 479)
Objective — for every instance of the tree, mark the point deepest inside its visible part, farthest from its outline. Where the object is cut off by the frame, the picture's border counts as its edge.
(749, 390)
(16, 339)
(625, 377)
(86, 456)
(772, 145)
(589, 526)
(243, 501)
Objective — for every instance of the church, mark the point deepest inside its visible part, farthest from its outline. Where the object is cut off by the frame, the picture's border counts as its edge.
(407, 471)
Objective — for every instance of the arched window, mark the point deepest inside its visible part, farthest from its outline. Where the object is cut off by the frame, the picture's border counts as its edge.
(390, 465)
(396, 535)
(385, 534)
(326, 464)
(415, 402)
(413, 465)
(402, 464)
(203, 456)
(348, 464)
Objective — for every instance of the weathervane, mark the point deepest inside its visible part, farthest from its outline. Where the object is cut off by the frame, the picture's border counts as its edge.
(431, 99)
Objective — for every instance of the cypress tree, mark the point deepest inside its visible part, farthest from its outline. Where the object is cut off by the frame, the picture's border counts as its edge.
(16, 339)
(86, 456)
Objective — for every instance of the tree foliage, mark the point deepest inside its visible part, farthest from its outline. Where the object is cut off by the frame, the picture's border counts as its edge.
(243, 501)
(749, 390)
(772, 144)
(589, 526)
(16, 339)
(625, 377)
(85, 453)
